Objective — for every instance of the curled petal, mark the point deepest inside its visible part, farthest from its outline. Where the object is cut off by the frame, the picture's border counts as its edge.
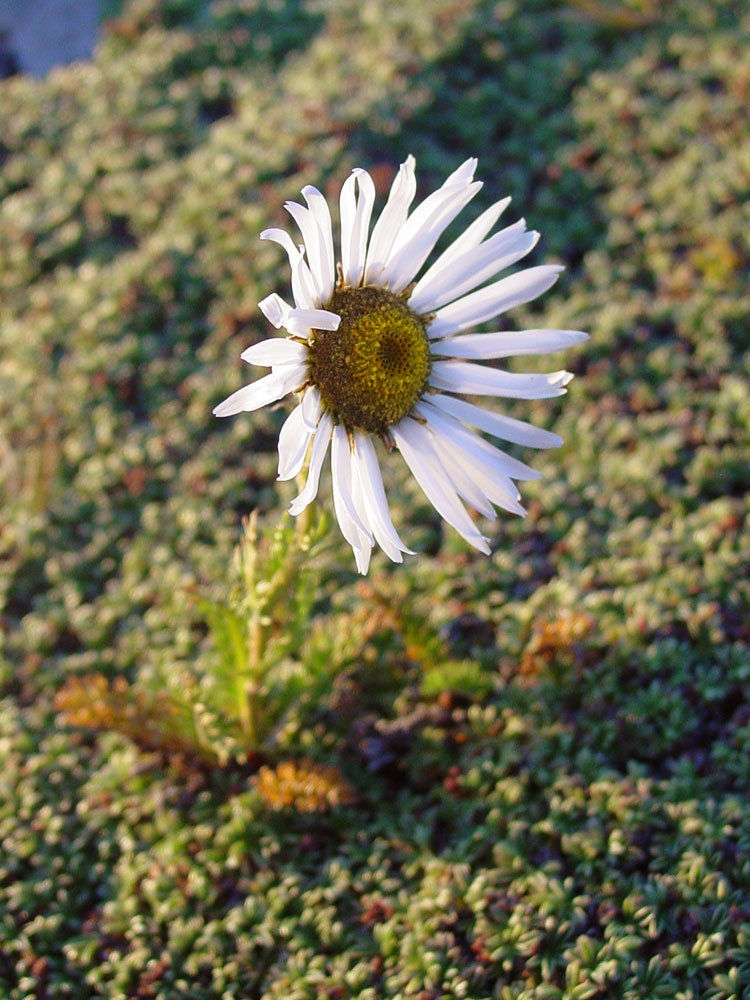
(275, 309)
(322, 215)
(299, 321)
(315, 248)
(305, 292)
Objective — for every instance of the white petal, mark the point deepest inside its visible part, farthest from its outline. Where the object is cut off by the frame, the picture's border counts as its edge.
(266, 390)
(478, 452)
(362, 555)
(317, 454)
(341, 470)
(303, 285)
(319, 208)
(468, 476)
(471, 237)
(464, 377)
(366, 467)
(315, 225)
(416, 446)
(507, 428)
(432, 206)
(473, 268)
(285, 241)
(494, 299)
(463, 173)
(366, 512)
(463, 478)
(311, 238)
(311, 407)
(505, 344)
(294, 438)
(352, 526)
(413, 246)
(302, 321)
(292, 374)
(362, 559)
(355, 224)
(276, 351)
(299, 321)
(391, 220)
(461, 250)
(275, 309)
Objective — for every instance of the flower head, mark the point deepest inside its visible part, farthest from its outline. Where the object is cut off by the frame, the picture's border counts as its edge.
(371, 354)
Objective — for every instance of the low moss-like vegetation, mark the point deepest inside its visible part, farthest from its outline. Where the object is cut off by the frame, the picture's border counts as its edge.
(522, 777)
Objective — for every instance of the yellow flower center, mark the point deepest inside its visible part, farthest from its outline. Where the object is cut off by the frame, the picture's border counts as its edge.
(374, 368)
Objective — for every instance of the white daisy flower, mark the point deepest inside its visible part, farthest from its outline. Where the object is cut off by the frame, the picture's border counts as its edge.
(372, 354)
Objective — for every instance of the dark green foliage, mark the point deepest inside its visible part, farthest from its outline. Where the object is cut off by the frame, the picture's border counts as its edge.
(574, 828)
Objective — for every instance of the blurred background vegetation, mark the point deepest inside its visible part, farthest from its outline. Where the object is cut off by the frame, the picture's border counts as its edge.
(532, 780)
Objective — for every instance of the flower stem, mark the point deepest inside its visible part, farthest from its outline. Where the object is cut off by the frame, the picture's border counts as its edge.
(249, 716)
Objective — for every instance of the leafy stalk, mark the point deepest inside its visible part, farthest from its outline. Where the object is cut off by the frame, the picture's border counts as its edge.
(265, 615)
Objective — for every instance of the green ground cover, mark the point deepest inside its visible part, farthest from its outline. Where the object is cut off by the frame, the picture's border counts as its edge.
(551, 796)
